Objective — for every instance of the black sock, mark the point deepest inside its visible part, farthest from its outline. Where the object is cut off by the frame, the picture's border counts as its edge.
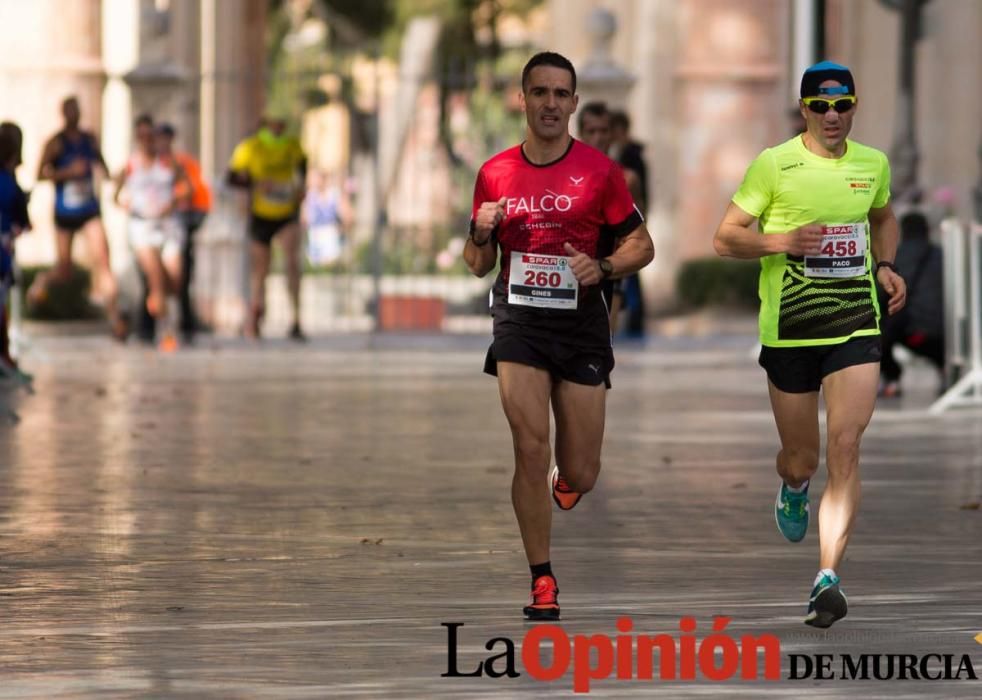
(544, 569)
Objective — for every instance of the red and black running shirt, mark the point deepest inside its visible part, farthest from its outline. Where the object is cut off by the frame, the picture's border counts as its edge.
(579, 199)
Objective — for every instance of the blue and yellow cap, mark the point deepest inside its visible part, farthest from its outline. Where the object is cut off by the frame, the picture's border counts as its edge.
(826, 70)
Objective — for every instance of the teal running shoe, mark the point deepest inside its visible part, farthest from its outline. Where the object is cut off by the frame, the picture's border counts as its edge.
(827, 603)
(791, 513)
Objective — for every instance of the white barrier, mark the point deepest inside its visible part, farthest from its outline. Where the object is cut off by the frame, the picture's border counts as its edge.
(963, 314)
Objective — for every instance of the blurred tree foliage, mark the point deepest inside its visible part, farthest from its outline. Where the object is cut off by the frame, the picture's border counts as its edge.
(718, 282)
(472, 66)
(470, 57)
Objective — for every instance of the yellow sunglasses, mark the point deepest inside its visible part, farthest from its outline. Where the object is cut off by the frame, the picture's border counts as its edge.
(820, 105)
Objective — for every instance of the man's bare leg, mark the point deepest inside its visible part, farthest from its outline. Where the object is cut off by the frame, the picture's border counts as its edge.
(525, 393)
(289, 238)
(259, 257)
(580, 412)
(850, 395)
(103, 281)
(796, 416)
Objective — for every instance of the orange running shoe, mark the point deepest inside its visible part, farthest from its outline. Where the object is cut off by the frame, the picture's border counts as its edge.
(168, 343)
(565, 497)
(545, 600)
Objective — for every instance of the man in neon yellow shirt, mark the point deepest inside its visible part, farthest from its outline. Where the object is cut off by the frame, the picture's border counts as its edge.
(273, 166)
(826, 235)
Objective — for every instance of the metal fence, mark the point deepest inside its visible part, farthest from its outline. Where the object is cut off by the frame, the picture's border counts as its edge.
(348, 297)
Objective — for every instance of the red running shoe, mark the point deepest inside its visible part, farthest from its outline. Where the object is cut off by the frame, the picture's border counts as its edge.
(545, 600)
(565, 497)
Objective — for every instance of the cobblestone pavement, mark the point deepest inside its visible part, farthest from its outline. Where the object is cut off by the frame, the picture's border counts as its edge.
(297, 522)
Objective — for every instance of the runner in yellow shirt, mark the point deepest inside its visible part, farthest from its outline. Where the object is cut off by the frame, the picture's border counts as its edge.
(273, 166)
(826, 236)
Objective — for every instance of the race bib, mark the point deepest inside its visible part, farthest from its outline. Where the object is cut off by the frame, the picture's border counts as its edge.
(279, 192)
(843, 252)
(77, 193)
(543, 281)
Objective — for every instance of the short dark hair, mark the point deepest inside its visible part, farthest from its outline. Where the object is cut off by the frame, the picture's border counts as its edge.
(166, 129)
(143, 120)
(618, 117)
(594, 109)
(547, 58)
(11, 140)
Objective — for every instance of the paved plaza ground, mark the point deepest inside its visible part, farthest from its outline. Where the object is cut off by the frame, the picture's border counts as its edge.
(279, 521)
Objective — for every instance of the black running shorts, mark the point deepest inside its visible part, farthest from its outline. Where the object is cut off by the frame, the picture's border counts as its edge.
(801, 370)
(262, 230)
(564, 362)
(73, 222)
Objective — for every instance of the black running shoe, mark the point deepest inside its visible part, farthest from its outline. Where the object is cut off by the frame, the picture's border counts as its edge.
(296, 334)
(827, 603)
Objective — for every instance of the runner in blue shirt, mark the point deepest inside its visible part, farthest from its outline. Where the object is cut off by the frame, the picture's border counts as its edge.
(70, 160)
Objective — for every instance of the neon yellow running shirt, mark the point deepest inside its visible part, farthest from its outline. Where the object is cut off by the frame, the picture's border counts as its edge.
(274, 167)
(788, 186)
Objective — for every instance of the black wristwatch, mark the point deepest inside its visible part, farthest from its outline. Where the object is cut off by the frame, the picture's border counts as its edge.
(483, 243)
(606, 268)
(888, 265)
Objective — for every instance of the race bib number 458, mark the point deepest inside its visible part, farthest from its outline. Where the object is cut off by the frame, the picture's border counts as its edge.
(843, 252)
(544, 281)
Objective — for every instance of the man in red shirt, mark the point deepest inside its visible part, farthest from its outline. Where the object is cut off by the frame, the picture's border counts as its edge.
(546, 204)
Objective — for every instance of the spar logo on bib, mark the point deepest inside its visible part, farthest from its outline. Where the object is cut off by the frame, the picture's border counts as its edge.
(547, 203)
(542, 260)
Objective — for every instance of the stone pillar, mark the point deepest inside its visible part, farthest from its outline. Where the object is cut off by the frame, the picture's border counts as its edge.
(904, 154)
(977, 192)
(232, 76)
(51, 49)
(731, 106)
(601, 78)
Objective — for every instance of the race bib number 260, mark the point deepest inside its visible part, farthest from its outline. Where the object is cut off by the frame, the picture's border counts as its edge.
(843, 252)
(544, 281)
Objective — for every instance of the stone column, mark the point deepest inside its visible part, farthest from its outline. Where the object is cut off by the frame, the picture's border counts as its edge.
(731, 106)
(977, 192)
(904, 155)
(232, 76)
(51, 49)
(601, 78)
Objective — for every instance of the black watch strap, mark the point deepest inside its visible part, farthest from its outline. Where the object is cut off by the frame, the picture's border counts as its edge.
(474, 240)
(888, 265)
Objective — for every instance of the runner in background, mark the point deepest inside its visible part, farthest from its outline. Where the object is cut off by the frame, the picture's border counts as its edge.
(70, 159)
(326, 210)
(193, 207)
(594, 124)
(14, 221)
(151, 183)
(630, 154)
(272, 165)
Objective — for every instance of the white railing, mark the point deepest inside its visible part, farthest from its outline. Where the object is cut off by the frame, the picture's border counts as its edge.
(963, 314)
(330, 303)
